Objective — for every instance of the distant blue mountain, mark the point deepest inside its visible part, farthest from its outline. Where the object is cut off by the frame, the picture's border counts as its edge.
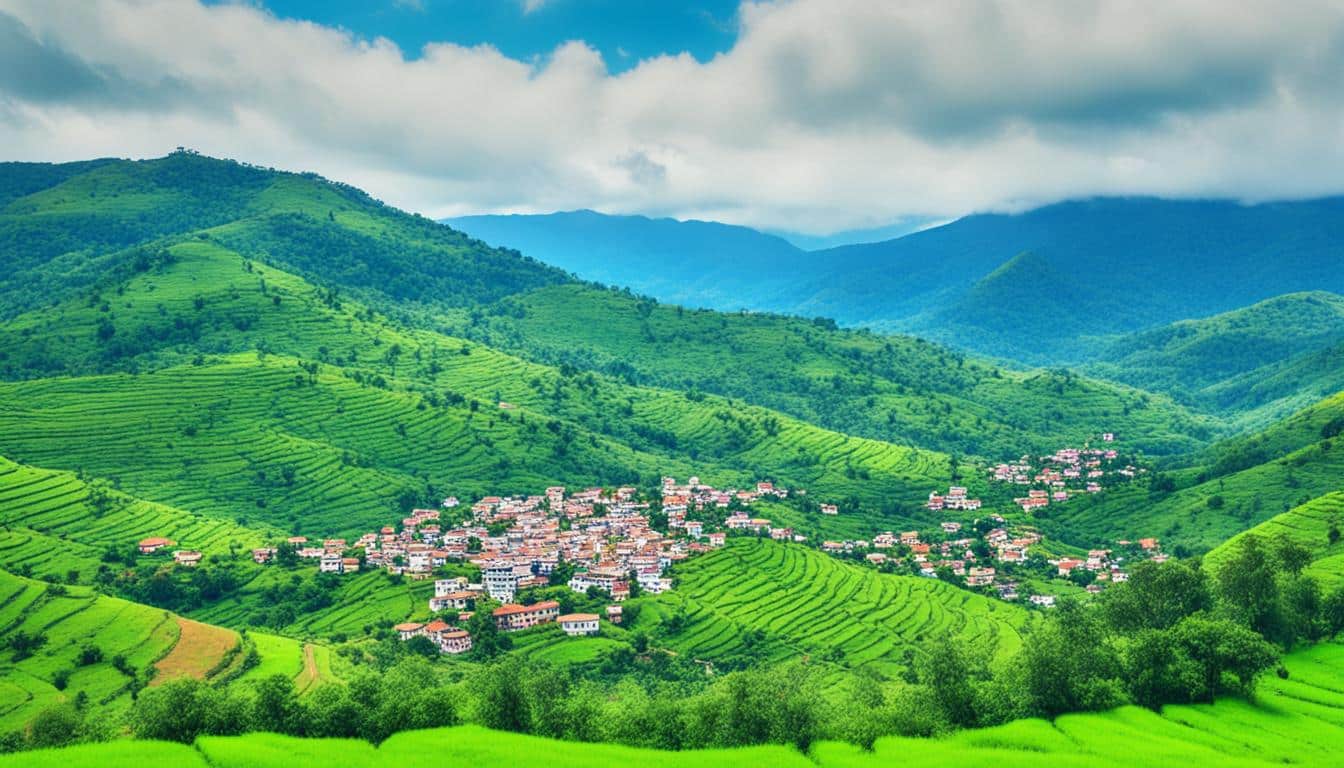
(1040, 286)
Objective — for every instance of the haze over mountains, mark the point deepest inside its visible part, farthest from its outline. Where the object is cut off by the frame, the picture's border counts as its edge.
(1038, 287)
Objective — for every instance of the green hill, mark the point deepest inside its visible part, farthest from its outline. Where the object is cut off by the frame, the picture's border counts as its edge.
(768, 601)
(1225, 363)
(894, 388)
(1315, 525)
(1234, 485)
(1294, 721)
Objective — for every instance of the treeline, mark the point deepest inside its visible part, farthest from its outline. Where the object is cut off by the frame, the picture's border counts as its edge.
(1173, 633)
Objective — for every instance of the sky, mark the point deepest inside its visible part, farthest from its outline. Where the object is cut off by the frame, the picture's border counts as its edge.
(811, 116)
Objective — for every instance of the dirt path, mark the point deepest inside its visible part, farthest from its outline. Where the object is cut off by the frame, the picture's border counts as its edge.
(309, 675)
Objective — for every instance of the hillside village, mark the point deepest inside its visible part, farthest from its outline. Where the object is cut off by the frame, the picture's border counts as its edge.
(612, 542)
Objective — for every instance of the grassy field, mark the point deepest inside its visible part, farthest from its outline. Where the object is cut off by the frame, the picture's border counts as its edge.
(779, 601)
(1295, 721)
(71, 619)
(1308, 525)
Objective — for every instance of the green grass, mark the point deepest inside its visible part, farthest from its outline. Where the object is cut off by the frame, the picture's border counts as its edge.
(69, 621)
(1294, 721)
(1308, 525)
(805, 603)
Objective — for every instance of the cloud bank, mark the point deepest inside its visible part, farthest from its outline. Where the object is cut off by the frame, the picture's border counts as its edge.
(826, 114)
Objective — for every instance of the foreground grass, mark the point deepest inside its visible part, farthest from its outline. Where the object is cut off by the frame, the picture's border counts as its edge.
(1297, 721)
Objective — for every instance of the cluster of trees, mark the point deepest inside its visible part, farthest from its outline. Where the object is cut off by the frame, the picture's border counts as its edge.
(1174, 633)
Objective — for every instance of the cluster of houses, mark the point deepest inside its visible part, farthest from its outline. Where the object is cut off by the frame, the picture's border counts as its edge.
(956, 498)
(517, 543)
(1068, 471)
(187, 558)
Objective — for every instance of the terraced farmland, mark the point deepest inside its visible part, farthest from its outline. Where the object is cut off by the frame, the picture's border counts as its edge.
(1297, 721)
(1308, 525)
(804, 603)
(53, 526)
(69, 619)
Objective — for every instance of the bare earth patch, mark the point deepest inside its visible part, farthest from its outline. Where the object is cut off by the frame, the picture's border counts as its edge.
(199, 649)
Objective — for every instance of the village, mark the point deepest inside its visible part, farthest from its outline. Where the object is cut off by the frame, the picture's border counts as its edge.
(605, 543)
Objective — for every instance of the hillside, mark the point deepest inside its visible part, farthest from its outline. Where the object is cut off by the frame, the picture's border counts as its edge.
(1031, 286)
(1294, 721)
(1232, 361)
(1234, 485)
(693, 263)
(1310, 525)
(894, 388)
(781, 601)
(82, 224)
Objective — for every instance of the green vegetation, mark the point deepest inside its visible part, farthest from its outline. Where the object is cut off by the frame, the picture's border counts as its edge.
(893, 388)
(1233, 362)
(760, 601)
(1295, 720)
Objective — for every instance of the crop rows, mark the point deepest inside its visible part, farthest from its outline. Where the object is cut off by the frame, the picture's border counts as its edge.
(804, 603)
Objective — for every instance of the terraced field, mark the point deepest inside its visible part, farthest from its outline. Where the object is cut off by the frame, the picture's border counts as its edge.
(804, 603)
(213, 423)
(70, 619)
(358, 603)
(52, 525)
(1298, 721)
(1308, 525)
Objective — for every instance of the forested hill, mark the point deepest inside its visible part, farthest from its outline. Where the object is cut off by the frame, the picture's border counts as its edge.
(67, 227)
(1036, 286)
(693, 263)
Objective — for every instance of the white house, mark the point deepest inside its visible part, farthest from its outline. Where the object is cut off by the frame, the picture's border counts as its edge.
(575, 624)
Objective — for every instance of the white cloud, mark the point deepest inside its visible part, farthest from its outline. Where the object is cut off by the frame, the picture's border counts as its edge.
(530, 6)
(825, 114)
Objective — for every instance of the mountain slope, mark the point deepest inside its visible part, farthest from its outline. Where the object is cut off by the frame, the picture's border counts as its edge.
(894, 388)
(1231, 361)
(694, 263)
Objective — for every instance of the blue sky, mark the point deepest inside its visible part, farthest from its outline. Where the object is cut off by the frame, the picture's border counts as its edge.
(807, 116)
(624, 31)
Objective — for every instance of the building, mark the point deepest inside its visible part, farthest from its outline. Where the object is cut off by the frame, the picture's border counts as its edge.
(154, 544)
(330, 564)
(575, 624)
(409, 629)
(263, 555)
(513, 617)
(454, 641)
(614, 613)
(188, 558)
(458, 601)
(980, 577)
(500, 581)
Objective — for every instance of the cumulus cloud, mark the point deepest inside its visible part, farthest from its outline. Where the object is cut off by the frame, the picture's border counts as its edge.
(825, 114)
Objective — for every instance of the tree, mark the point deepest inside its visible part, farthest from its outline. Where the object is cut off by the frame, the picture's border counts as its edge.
(1218, 646)
(500, 702)
(1069, 664)
(1156, 596)
(949, 668)
(275, 707)
(174, 711)
(1248, 587)
(1333, 612)
(1293, 556)
(55, 727)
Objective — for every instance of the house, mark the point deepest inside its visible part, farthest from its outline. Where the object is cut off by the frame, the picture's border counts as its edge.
(910, 538)
(575, 624)
(1045, 601)
(717, 539)
(501, 582)
(980, 577)
(951, 527)
(1148, 544)
(458, 601)
(1066, 565)
(409, 629)
(154, 544)
(513, 617)
(329, 564)
(830, 509)
(454, 641)
(188, 558)
(614, 614)
(263, 555)
(349, 565)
